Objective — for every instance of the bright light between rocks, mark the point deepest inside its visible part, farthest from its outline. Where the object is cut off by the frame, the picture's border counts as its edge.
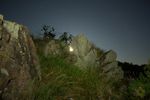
(70, 49)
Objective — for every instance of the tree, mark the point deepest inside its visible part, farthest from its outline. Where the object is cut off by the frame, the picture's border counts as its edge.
(67, 38)
(49, 32)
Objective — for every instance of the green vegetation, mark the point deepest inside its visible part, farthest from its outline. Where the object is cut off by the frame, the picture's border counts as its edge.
(49, 32)
(139, 89)
(62, 80)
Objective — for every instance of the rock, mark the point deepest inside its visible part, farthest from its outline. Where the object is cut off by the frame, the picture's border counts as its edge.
(84, 51)
(84, 54)
(53, 48)
(19, 64)
(110, 66)
(1, 19)
(4, 71)
(90, 56)
(61, 49)
(12, 28)
(110, 56)
(81, 45)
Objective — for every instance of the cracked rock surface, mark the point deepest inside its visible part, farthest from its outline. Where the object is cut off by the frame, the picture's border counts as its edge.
(18, 61)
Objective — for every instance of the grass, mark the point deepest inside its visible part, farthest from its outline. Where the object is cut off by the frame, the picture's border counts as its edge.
(62, 80)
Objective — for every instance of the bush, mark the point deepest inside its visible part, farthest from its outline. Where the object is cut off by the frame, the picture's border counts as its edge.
(140, 88)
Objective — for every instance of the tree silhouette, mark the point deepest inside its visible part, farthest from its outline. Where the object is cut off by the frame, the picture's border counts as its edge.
(49, 32)
(67, 38)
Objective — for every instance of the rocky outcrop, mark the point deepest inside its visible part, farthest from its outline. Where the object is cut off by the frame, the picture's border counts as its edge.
(90, 56)
(80, 55)
(53, 48)
(109, 65)
(18, 61)
(85, 51)
(61, 49)
(84, 54)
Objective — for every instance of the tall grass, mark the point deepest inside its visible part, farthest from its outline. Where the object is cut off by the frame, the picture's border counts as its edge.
(64, 81)
(61, 80)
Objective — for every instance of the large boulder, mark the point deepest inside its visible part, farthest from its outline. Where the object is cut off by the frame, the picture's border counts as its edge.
(109, 65)
(88, 55)
(53, 48)
(84, 50)
(18, 61)
(110, 56)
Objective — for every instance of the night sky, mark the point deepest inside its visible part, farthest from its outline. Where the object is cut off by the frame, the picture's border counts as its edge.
(121, 25)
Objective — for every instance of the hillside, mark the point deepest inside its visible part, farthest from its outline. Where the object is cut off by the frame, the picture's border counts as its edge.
(62, 79)
(53, 69)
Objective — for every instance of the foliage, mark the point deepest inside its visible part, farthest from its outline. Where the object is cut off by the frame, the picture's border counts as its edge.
(62, 80)
(140, 88)
(66, 38)
(48, 32)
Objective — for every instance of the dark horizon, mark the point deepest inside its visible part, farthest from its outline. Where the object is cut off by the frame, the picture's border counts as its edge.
(122, 26)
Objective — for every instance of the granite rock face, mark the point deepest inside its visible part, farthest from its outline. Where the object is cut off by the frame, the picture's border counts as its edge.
(110, 66)
(19, 64)
(88, 55)
(110, 56)
(53, 48)
(84, 50)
